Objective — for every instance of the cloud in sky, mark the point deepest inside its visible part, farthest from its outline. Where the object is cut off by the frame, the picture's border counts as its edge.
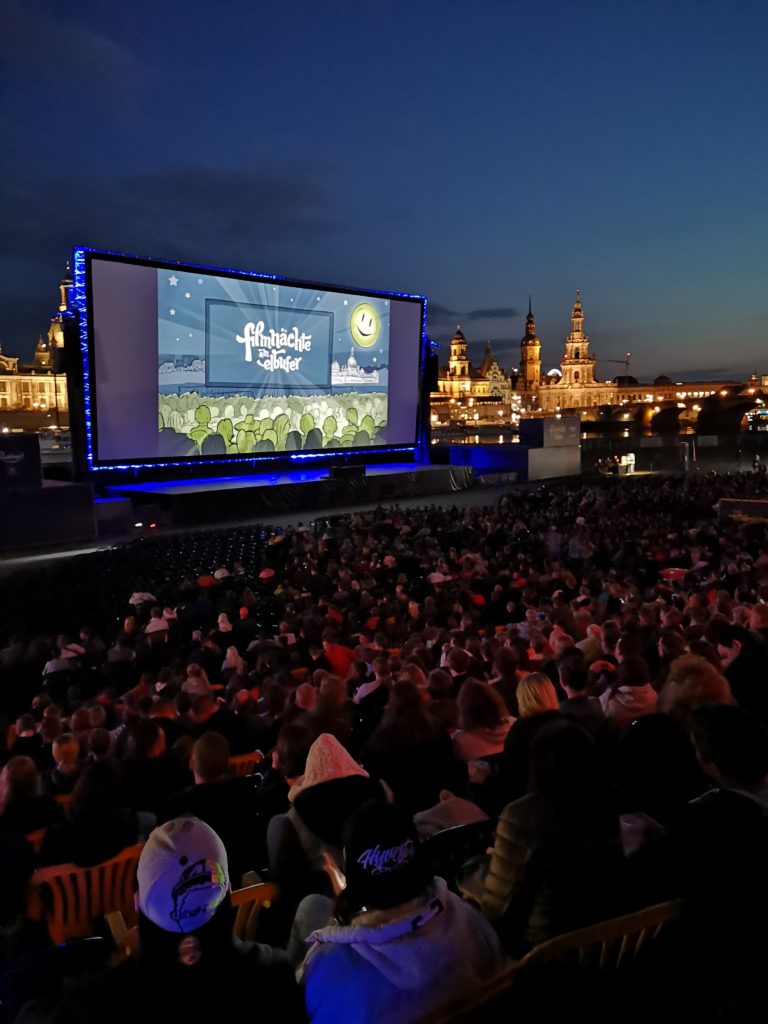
(400, 176)
(186, 210)
(443, 314)
(200, 214)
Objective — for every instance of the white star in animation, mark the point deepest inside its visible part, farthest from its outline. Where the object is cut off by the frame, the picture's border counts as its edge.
(173, 280)
(173, 312)
(187, 295)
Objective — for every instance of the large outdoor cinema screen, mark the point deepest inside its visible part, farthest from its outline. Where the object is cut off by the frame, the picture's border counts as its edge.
(185, 364)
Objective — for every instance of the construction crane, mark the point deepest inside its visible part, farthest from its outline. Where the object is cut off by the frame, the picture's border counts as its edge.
(624, 362)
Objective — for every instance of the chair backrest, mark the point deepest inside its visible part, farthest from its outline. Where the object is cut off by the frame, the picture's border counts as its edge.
(248, 903)
(607, 946)
(245, 764)
(63, 800)
(74, 896)
(126, 939)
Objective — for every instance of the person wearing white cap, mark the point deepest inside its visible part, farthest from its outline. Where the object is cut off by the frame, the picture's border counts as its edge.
(189, 966)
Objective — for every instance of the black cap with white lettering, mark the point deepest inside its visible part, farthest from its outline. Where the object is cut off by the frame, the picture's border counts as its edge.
(383, 861)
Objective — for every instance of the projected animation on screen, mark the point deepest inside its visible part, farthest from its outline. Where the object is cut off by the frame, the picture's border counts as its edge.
(255, 366)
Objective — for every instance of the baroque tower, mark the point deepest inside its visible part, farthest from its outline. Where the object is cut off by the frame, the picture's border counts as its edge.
(42, 355)
(458, 363)
(530, 349)
(578, 365)
(56, 330)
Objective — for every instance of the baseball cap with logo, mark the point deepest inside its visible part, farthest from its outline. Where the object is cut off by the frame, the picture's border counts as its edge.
(183, 875)
(383, 861)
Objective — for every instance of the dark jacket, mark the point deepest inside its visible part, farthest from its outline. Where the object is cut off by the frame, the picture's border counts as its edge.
(59, 783)
(513, 772)
(713, 852)
(33, 746)
(553, 868)
(233, 810)
(86, 839)
(748, 678)
(149, 782)
(244, 735)
(325, 807)
(154, 987)
(313, 826)
(585, 711)
(29, 815)
(415, 771)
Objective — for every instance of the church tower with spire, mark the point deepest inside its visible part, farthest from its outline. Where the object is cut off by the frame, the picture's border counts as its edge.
(578, 365)
(56, 329)
(530, 351)
(42, 355)
(458, 361)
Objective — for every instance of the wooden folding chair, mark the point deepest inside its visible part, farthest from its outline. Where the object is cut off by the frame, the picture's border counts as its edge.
(247, 903)
(607, 946)
(71, 897)
(245, 764)
(126, 939)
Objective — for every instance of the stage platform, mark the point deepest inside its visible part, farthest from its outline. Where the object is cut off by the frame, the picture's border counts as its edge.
(232, 499)
(52, 514)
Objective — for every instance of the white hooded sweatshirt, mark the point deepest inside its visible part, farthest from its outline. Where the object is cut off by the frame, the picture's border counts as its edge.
(397, 971)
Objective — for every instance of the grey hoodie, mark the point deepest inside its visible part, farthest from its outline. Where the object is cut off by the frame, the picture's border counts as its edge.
(403, 968)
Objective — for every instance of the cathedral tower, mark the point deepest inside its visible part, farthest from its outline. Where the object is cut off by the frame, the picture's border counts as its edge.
(530, 349)
(65, 290)
(42, 355)
(578, 365)
(56, 330)
(458, 363)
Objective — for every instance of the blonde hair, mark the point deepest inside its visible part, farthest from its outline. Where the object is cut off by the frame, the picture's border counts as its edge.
(195, 671)
(535, 692)
(233, 660)
(692, 681)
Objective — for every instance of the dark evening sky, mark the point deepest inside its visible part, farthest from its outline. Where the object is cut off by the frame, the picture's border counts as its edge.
(474, 153)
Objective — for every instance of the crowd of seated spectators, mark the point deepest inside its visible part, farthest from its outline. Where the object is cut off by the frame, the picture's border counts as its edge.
(585, 665)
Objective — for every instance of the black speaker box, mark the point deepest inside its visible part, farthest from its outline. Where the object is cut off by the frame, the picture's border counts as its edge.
(20, 464)
(347, 472)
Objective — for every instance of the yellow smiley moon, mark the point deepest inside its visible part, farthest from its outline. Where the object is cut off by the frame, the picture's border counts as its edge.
(365, 325)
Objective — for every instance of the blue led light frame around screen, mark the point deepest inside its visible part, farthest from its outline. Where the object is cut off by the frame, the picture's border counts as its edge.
(80, 297)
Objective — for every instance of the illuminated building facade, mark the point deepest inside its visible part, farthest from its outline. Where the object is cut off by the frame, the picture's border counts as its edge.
(470, 396)
(36, 387)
